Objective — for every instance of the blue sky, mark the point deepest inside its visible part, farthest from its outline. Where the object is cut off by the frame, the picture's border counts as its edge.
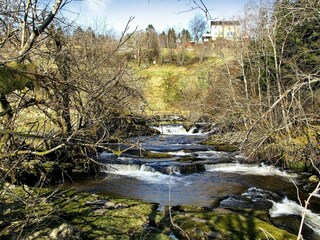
(163, 14)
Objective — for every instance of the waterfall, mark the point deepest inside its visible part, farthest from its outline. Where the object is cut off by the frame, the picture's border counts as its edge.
(178, 129)
(171, 129)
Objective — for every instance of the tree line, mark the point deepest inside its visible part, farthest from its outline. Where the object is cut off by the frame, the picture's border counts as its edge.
(169, 46)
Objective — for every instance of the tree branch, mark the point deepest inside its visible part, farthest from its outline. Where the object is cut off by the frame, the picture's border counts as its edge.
(37, 31)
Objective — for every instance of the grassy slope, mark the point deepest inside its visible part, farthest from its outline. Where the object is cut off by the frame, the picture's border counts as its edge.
(190, 82)
(155, 92)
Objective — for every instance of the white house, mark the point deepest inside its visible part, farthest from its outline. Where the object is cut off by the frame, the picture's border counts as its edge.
(229, 30)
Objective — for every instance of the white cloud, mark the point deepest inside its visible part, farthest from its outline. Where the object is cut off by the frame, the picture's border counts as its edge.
(89, 12)
(97, 7)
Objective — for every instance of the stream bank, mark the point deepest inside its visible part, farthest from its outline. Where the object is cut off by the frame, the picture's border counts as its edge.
(66, 214)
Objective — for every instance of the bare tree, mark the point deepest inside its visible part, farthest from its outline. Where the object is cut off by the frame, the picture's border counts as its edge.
(197, 26)
(60, 96)
(22, 23)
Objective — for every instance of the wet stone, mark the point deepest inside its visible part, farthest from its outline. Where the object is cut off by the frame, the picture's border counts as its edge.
(291, 223)
(241, 202)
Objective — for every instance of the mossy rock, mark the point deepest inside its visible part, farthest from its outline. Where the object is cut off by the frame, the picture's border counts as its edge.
(297, 165)
(189, 208)
(222, 145)
(127, 219)
(225, 147)
(155, 236)
(156, 155)
(91, 216)
(227, 225)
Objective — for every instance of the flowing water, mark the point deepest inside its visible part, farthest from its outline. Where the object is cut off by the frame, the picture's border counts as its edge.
(204, 177)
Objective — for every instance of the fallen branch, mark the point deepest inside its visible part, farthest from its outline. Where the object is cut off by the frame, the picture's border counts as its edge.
(25, 152)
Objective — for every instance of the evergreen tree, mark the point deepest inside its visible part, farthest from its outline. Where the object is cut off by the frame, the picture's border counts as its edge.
(171, 38)
(152, 43)
(78, 31)
(185, 35)
(163, 40)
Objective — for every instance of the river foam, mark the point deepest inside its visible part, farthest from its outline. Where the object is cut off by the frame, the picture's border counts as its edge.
(249, 169)
(143, 173)
(289, 207)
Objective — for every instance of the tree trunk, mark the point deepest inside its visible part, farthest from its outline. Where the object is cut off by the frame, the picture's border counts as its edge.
(7, 117)
(64, 69)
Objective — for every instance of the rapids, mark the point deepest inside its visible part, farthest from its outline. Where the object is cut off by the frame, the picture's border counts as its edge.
(196, 174)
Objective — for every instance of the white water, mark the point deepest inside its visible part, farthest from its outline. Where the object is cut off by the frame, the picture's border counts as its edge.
(177, 130)
(256, 194)
(288, 207)
(212, 154)
(249, 169)
(201, 154)
(143, 173)
(180, 153)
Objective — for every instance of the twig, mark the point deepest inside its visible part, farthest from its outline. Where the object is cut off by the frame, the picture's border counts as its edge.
(303, 216)
(169, 206)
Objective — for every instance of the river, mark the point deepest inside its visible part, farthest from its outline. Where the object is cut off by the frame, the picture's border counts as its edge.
(194, 174)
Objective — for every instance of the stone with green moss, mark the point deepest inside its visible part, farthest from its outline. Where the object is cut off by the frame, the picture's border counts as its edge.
(227, 225)
(156, 155)
(47, 211)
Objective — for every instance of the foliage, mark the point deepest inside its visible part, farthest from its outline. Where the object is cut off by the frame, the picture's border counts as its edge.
(14, 76)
